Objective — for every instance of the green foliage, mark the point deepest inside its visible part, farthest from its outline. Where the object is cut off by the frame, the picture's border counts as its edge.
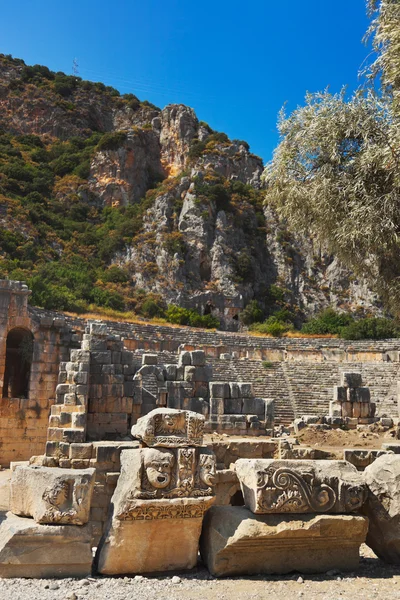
(196, 149)
(252, 313)
(242, 143)
(336, 173)
(152, 308)
(371, 329)
(275, 295)
(272, 326)
(218, 137)
(115, 274)
(186, 316)
(267, 364)
(328, 321)
(174, 243)
(132, 101)
(244, 265)
(111, 141)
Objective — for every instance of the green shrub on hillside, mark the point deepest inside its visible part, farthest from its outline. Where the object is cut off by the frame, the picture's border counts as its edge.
(328, 321)
(186, 316)
(272, 326)
(111, 141)
(252, 313)
(371, 329)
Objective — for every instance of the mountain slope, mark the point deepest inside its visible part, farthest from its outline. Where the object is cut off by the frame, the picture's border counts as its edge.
(110, 201)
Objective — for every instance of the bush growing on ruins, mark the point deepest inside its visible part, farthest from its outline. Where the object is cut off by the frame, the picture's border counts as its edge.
(371, 329)
(252, 313)
(328, 321)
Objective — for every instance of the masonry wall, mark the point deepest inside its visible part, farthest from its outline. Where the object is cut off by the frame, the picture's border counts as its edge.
(24, 420)
(301, 388)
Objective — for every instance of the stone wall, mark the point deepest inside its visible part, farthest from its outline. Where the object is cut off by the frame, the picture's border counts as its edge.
(24, 419)
(297, 373)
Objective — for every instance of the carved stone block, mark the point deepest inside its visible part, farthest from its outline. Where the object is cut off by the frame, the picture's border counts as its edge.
(300, 486)
(52, 495)
(158, 508)
(234, 541)
(170, 428)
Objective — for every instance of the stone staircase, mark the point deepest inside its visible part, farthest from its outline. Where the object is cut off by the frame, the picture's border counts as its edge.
(304, 387)
(268, 382)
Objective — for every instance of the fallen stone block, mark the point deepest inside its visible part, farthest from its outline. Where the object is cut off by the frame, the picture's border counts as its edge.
(360, 457)
(300, 486)
(234, 541)
(198, 358)
(383, 507)
(28, 549)
(52, 495)
(149, 359)
(154, 537)
(219, 389)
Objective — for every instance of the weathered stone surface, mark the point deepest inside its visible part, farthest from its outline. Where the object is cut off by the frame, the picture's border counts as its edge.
(154, 537)
(151, 473)
(362, 457)
(158, 507)
(383, 507)
(28, 549)
(52, 495)
(300, 486)
(234, 541)
(351, 380)
(170, 427)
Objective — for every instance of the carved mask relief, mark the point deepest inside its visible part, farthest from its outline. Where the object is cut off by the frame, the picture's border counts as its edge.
(207, 471)
(158, 465)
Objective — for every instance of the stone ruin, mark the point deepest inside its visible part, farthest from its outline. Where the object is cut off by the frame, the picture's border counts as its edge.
(126, 468)
(351, 402)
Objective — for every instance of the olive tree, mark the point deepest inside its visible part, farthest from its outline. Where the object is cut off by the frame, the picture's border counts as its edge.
(336, 172)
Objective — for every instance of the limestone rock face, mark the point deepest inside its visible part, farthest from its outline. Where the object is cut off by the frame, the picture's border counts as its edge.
(383, 507)
(170, 428)
(52, 495)
(300, 486)
(178, 126)
(234, 541)
(122, 176)
(28, 549)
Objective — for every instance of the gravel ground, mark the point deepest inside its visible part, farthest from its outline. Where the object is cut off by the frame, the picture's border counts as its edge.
(374, 579)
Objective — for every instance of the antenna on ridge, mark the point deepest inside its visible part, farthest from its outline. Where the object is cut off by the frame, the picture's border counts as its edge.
(75, 67)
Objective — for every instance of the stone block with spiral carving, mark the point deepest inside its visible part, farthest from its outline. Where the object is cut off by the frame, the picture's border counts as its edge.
(300, 486)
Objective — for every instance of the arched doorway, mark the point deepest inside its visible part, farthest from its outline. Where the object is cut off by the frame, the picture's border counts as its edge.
(19, 350)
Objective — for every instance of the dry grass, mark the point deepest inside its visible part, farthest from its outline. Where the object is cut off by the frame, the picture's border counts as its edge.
(129, 317)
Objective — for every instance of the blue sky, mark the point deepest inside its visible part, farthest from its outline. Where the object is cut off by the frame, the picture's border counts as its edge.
(234, 62)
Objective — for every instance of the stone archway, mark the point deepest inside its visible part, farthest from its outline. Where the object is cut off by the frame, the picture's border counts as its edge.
(19, 351)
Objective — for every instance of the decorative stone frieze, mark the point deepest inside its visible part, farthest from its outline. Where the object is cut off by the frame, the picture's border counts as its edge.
(300, 486)
(170, 428)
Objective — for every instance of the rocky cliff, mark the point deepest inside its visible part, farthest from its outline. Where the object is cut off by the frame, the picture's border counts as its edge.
(108, 200)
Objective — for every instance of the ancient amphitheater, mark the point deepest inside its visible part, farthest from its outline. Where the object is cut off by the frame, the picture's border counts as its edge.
(149, 442)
